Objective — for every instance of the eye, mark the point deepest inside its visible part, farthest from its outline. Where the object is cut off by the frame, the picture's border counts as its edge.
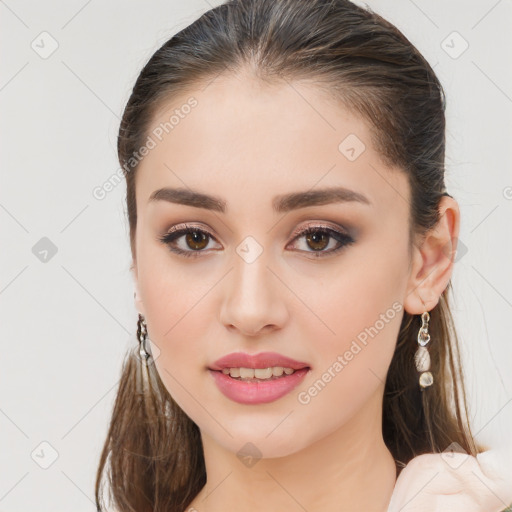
(320, 237)
(196, 240)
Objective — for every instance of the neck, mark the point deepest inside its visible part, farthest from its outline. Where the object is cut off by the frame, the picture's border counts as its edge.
(350, 469)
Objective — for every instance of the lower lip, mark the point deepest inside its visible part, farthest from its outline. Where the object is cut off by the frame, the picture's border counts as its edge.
(257, 392)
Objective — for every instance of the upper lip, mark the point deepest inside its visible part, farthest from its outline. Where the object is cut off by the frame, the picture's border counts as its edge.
(261, 360)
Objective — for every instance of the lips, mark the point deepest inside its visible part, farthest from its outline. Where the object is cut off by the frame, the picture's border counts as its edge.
(261, 360)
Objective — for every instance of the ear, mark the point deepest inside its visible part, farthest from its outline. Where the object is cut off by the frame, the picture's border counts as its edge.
(432, 261)
(139, 305)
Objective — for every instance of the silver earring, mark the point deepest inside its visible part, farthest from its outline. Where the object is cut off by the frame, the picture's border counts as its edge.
(142, 333)
(422, 356)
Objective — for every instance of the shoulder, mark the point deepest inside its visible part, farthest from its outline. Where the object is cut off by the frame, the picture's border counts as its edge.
(455, 482)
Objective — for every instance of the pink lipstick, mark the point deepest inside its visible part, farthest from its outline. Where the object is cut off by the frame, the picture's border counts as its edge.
(246, 390)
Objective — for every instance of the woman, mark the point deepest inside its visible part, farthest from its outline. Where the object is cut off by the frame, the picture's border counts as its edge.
(293, 244)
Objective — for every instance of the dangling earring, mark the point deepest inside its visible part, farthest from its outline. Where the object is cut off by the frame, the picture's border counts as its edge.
(422, 356)
(142, 332)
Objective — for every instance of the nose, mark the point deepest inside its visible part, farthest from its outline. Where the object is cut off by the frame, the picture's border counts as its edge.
(255, 298)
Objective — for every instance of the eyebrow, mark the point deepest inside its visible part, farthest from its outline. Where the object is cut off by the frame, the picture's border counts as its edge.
(280, 204)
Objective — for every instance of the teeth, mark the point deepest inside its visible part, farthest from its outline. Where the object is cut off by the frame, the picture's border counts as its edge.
(257, 373)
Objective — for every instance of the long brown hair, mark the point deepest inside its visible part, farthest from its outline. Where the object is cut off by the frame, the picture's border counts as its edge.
(153, 448)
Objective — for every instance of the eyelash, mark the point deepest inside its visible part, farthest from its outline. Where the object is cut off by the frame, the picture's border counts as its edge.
(176, 233)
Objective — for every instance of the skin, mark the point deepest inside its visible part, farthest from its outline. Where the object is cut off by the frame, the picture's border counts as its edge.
(246, 143)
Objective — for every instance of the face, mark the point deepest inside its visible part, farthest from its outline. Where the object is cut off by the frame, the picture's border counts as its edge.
(250, 279)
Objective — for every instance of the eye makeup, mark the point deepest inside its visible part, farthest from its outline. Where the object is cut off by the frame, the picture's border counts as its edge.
(196, 239)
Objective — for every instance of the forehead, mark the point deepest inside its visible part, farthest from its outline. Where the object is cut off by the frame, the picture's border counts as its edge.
(247, 141)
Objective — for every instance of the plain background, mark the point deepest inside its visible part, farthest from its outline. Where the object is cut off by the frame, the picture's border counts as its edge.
(67, 315)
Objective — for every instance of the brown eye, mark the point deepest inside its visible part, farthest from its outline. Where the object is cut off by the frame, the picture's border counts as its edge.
(318, 240)
(196, 240)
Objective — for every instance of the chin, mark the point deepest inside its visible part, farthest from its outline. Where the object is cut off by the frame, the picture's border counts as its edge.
(255, 444)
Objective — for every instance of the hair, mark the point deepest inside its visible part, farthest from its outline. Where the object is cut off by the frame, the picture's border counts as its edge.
(367, 65)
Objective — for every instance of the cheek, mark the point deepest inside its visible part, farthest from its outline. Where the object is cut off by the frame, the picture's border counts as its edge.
(352, 364)
(171, 291)
(357, 321)
(173, 311)
(176, 301)
(352, 296)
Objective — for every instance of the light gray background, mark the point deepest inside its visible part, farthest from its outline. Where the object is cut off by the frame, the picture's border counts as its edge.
(67, 322)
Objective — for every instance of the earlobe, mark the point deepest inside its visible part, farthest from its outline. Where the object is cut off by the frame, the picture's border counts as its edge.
(139, 305)
(433, 261)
